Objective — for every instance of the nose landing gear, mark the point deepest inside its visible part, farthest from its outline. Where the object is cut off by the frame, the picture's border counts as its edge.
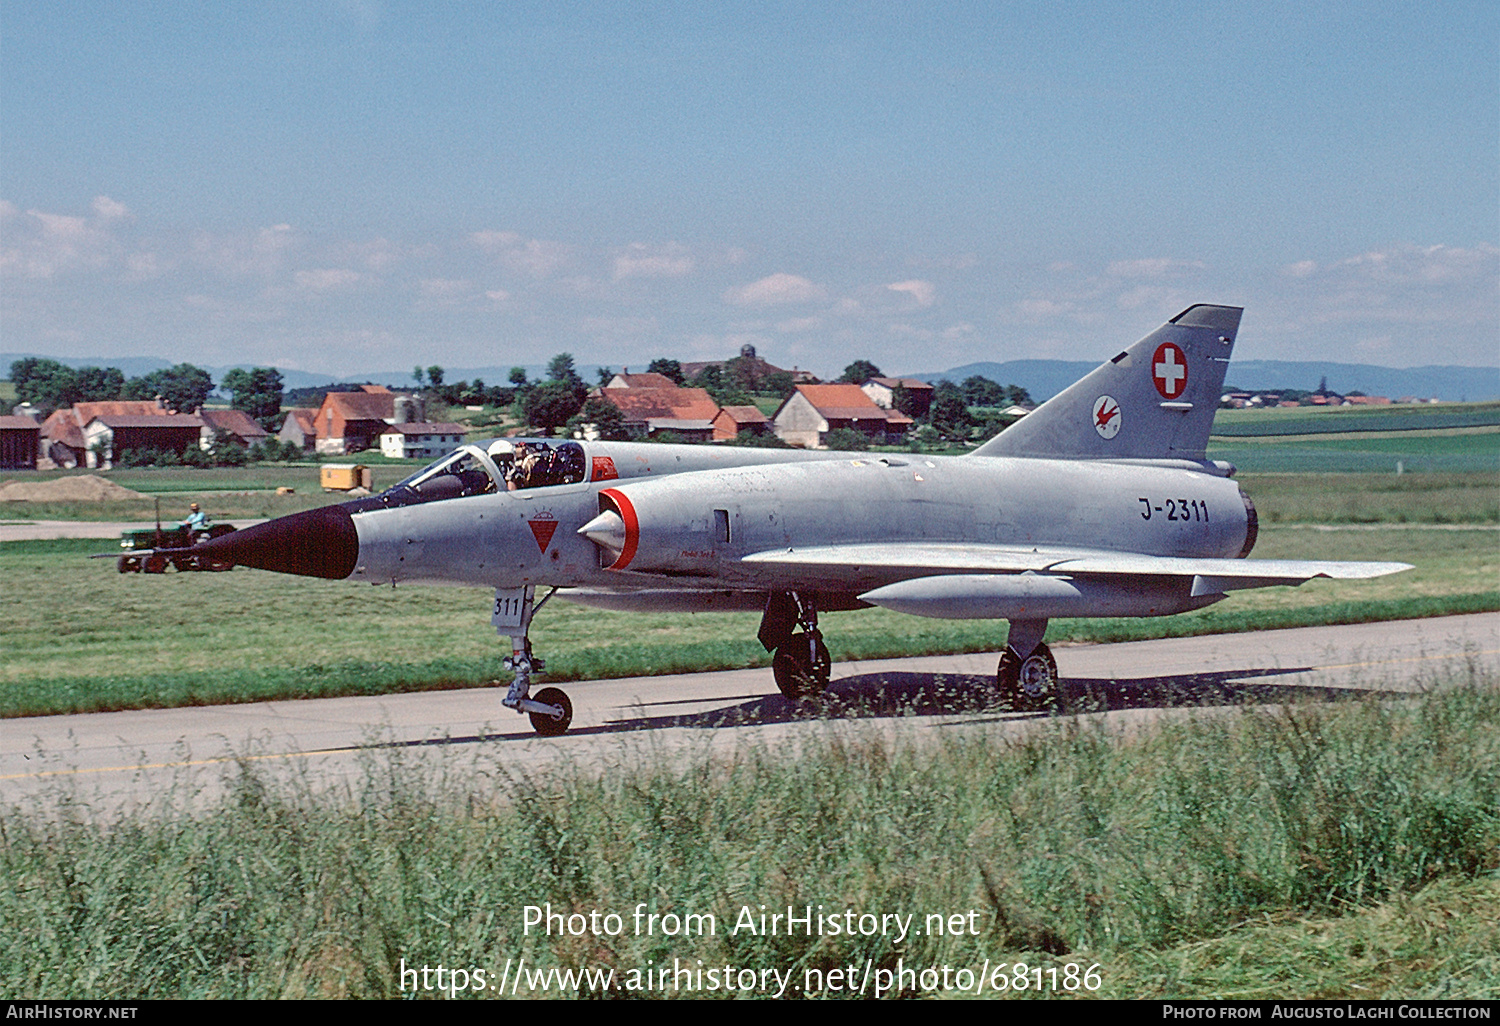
(551, 712)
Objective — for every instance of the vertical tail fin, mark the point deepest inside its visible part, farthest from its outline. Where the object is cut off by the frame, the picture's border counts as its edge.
(1156, 400)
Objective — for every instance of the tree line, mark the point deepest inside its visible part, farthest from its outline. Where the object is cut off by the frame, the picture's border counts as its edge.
(49, 385)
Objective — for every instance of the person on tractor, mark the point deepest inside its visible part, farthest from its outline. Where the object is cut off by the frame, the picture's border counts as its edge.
(197, 524)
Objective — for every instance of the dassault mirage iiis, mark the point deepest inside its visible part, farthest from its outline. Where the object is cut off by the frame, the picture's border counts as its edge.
(1099, 503)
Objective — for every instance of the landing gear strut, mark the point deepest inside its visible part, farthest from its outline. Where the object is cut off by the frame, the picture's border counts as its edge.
(801, 664)
(551, 712)
(1027, 681)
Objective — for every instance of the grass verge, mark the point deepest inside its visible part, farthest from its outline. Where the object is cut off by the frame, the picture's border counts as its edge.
(1347, 850)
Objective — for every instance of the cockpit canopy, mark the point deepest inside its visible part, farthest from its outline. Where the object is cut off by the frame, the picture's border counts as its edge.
(465, 471)
(504, 464)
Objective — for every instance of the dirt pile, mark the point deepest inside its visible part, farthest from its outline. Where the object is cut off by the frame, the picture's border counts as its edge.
(82, 488)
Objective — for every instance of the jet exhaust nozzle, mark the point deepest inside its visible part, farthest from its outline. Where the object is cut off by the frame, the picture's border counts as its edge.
(314, 543)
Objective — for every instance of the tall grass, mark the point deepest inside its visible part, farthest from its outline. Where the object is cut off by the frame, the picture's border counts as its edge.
(1072, 841)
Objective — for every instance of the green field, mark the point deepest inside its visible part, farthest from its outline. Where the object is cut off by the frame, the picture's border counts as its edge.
(1312, 420)
(1449, 452)
(1445, 438)
(104, 640)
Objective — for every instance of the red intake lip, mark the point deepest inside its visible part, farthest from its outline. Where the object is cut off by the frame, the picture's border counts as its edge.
(632, 527)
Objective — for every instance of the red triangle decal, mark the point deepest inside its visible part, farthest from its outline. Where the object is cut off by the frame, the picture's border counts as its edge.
(543, 530)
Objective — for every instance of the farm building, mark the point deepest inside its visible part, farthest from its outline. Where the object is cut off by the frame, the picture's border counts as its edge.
(20, 440)
(812, 411)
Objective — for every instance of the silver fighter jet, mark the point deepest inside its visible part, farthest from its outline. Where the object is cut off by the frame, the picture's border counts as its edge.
(1099, 503)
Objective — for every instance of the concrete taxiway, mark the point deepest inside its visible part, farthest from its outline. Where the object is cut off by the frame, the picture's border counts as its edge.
(108, 763)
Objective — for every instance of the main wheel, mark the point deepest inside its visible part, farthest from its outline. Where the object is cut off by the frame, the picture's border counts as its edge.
(551, 726)
(802, 666)
(1029, 683)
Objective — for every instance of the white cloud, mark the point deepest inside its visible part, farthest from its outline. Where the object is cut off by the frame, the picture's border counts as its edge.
(923, 292)
(536, 257)
(444, 288)
(327, 279)
(1160, 267)
(1038, 311)
(41, 245)
(796, 325)
(262, 253)
(1301, 269)
(641, 261)
(774, 290)
(107, 209)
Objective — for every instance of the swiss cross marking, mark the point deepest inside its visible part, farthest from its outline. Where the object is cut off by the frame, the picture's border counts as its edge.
(1169, 370)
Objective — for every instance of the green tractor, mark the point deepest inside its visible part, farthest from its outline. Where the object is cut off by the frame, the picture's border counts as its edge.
(143, 547)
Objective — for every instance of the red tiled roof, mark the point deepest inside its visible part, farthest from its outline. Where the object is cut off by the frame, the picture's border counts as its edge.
(236, 422)
(907, 383)
(645, 380)
(305, 419)
(362, 405)
(643, 404)
(746, 415)
(166, 420)
(85, 412)
(848, 402)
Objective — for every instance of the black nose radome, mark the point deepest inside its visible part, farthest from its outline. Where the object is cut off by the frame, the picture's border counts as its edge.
(314, 543)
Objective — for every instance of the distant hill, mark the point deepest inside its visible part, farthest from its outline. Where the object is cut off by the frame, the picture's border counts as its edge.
(1045, 378)
(1042, 378)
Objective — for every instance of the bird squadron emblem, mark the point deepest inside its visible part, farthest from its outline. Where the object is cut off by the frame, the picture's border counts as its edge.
(1107, 416)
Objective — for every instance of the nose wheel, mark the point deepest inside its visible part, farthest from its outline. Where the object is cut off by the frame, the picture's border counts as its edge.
(558, 713)
(550, 710)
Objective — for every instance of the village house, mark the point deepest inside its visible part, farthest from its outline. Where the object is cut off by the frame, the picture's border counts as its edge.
(236, 425)
(625, 379)
(883, 392)
(353, 421)
(421, 441)
(64, 444)
(812, 411)
(108, 437)
(732, 420)
(20, 438)
(300, 428)
(687, 412)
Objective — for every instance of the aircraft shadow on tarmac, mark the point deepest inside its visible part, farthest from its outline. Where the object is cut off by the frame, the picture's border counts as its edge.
(893, 695)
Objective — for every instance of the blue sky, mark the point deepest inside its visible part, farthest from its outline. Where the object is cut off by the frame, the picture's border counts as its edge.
(347, 186)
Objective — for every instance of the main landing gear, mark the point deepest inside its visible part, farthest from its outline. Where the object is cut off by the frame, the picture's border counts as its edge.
(801, 664)
(550, 710)
(1027, 681)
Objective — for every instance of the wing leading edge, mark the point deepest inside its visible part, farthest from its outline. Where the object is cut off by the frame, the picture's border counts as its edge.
(968, 581)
